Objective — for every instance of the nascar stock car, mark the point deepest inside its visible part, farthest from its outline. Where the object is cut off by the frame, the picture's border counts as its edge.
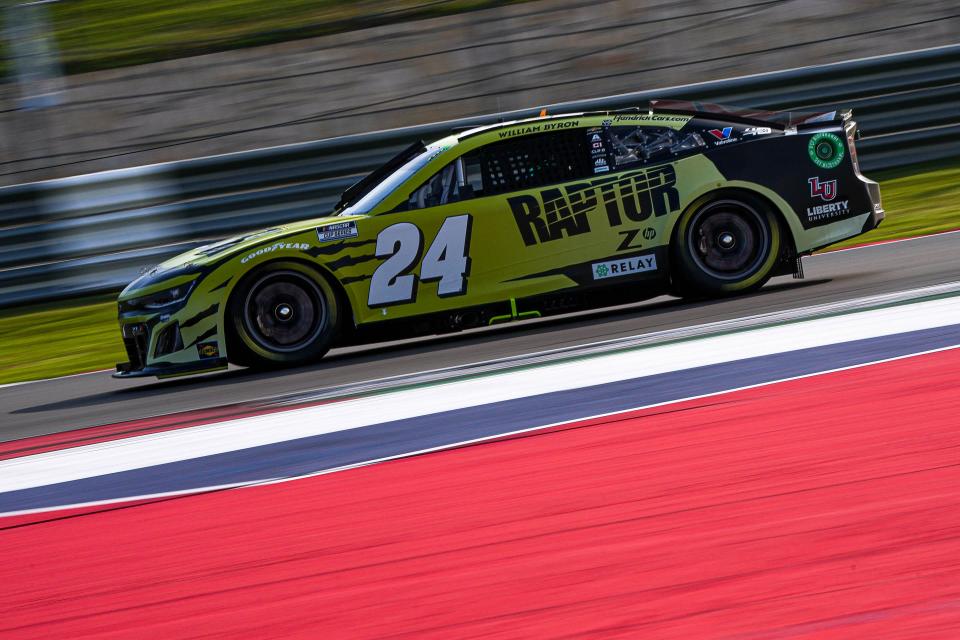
(513, 220)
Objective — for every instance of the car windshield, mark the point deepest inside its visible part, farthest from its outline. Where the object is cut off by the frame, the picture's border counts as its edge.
(376, 195)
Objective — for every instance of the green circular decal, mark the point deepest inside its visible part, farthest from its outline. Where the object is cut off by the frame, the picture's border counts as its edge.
(826, 150)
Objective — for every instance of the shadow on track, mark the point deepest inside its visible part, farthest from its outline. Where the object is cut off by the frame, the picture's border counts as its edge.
(367, 362)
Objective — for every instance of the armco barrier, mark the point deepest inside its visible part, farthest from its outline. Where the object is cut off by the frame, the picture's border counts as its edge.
(94, 233)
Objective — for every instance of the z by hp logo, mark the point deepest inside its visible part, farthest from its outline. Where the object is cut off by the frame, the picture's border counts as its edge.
(721, 134)
(826, 190)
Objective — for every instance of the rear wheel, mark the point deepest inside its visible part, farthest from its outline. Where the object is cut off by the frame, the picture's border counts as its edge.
(283, 313)
(726, 246)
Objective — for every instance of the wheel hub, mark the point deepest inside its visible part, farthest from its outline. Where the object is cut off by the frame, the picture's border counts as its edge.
(283, 312)
(729, 240)
(726, 240)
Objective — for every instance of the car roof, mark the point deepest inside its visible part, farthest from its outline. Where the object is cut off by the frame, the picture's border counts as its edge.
(469, 133)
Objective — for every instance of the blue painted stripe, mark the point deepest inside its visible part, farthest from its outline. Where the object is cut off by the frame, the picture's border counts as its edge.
(327, 451)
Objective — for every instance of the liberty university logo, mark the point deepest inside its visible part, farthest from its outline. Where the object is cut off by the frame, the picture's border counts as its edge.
(826, 190)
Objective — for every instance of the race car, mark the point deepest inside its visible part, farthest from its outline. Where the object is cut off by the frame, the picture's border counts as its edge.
(509, 221)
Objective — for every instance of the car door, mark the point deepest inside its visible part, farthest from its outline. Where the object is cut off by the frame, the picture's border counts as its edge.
(513, 217)
(539, 212)
(458, 237)
(581, 207)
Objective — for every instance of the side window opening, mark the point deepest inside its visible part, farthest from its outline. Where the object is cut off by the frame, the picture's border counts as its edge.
(642, 145)
(527, 162)
(505, 166)
(445, 186)
(473, 177)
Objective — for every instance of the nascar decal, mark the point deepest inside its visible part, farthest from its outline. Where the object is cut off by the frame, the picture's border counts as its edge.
(337, 231)
(624, 267)
(559, 211)
(598, 151)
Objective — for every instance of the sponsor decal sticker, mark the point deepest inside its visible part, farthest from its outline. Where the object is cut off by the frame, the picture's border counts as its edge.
(722, 136)
(757, 131)
(825, 150)
(823, 212)
(826, 190)
(566, 211)
(651, 118)
(337, 231)
(208, 350)
(624, 267)
(300, 246)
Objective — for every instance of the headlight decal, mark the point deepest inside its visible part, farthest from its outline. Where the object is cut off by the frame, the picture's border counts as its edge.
(160, 300)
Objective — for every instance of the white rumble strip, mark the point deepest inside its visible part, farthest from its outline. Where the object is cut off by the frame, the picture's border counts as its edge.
(233, 435)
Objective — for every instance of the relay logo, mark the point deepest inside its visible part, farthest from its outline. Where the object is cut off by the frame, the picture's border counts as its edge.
(722, 134)
(624, 267)
(826, 190)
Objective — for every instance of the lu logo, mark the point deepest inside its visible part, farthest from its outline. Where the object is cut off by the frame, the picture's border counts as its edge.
(826, 190)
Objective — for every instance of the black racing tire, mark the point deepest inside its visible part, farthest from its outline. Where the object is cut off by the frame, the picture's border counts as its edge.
(282, 314)
(725, 245)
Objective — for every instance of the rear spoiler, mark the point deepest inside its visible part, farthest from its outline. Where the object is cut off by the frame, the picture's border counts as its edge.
(777, 119)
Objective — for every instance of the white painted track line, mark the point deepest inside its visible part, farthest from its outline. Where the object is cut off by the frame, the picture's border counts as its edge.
(233, 435)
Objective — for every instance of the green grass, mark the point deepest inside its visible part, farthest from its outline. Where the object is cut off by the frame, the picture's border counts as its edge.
(921, 200)
(47, 342)
(63, 338)
(105, 34)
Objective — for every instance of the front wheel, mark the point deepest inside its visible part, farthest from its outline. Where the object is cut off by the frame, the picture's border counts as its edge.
(284, 313)
(726, 246)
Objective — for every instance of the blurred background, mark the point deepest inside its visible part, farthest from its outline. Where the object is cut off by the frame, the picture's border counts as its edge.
(114, 115)
(104, 84)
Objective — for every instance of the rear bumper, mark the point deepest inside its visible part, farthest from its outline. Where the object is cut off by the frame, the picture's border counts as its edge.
(878, 214)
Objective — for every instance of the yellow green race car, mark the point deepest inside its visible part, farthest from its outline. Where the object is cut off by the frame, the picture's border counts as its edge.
(513, 220)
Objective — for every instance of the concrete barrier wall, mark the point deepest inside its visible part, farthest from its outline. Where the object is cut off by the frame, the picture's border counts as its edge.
(476, 63)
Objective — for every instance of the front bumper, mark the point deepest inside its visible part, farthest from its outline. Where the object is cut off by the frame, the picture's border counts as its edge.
(127, 370)
(171, 344)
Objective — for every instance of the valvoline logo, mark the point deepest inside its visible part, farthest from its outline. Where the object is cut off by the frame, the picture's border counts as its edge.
(722, 134)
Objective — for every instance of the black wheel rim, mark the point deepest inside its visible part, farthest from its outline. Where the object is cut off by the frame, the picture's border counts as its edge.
(728, 240)
(284, 311)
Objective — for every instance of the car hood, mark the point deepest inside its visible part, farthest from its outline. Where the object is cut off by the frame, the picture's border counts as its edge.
(188, 265)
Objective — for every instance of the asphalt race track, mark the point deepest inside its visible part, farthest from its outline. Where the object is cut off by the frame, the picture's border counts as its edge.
(793, 477)
(97, 399)
(799, 509)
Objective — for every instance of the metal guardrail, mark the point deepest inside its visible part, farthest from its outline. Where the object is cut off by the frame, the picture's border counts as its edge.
(94, 233)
